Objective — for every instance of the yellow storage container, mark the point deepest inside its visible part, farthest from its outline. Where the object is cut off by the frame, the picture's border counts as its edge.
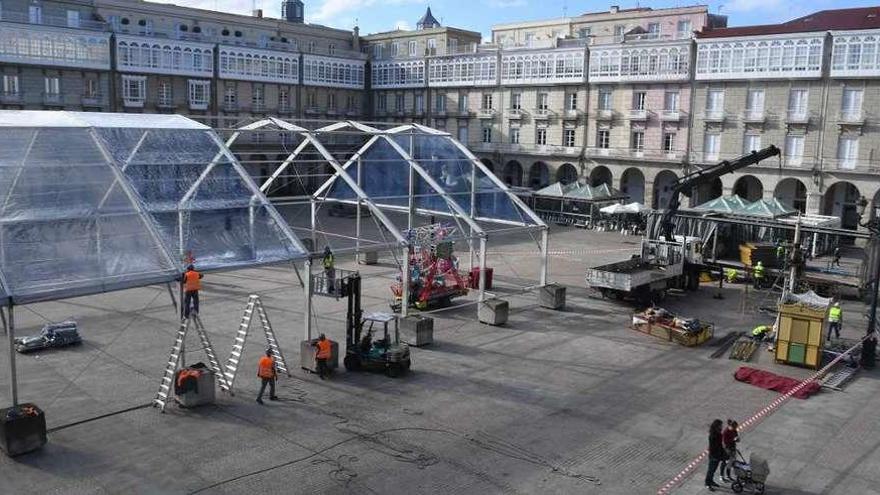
(782, 351)
(813, 357)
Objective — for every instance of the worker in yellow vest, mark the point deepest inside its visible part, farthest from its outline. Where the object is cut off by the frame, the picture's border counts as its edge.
(730, 274)
(835, 318)
(758, 275)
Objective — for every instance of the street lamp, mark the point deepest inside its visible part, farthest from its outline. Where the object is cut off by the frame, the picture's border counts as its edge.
(869, 347)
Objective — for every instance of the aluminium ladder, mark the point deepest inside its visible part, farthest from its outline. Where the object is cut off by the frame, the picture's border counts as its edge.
(167, 385)
(233, 363)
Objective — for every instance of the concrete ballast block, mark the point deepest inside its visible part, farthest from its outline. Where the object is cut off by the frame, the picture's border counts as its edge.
(370, 258)
(493, 311)
(552, 296)
(417, 330)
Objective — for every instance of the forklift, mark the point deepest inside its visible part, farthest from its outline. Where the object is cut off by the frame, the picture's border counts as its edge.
(363, 352)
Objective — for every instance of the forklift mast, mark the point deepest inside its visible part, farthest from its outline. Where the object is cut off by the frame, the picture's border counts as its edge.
(353, 315)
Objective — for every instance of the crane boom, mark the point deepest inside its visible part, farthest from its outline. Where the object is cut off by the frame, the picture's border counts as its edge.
(685, 184)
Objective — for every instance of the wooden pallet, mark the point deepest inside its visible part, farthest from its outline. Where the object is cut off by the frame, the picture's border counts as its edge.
(743, 349)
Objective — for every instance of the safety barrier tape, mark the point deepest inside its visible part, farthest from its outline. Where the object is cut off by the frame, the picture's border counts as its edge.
(755, 418)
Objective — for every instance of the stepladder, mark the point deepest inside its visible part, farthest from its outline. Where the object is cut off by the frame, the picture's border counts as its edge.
(166, 387)
(253, 309)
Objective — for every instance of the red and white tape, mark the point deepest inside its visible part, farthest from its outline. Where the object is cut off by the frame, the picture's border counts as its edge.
(755, 418)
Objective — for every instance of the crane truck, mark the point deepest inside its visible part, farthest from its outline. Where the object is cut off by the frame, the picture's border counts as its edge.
(667, 261)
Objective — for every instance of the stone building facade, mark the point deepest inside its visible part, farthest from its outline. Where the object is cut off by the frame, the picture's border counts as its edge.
(629, 97)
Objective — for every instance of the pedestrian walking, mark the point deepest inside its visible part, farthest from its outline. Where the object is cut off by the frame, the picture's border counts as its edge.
(729, 439)
(716, 453)
(835, 319)
(192, 284)
(266, 372)
(322, 354)
(836, 261)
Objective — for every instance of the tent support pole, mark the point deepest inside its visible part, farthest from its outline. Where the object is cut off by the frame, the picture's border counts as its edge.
(13, 376)
(171, 295)
(545, 242)
(404, 283)
(357, 242)
(314, 221)
(482, 283)
(3, 321)
(307, 287)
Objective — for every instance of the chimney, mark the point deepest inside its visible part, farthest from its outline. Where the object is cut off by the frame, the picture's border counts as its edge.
(615, 9)
(258, 12)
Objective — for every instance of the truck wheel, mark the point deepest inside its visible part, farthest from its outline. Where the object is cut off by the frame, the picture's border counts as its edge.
(352, 362)
(394, 370)
(737, 487)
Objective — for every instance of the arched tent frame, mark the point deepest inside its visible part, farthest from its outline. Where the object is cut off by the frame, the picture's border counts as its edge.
(98, 202)
(424, 194)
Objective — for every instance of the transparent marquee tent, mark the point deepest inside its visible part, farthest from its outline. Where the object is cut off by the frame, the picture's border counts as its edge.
(396, 179)
(93, 202)
(395, 174)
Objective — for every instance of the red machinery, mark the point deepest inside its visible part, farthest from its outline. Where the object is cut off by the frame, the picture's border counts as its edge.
(434, 275)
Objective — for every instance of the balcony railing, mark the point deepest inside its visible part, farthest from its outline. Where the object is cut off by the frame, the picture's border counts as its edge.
(93, 100)
(671, 115)
(258, 107)
(313, 110)
(44, 20)
(797, 116)
(515, 113)
(542, 114)
(54, 99)
(648, 154)
(230, 107)
(853, 117)
(852, 165)
(605, 114)
(11, 97)
(638, 114)
(571, 114)
(531, 148)
(284, 109)
(133, 102)
(486, 113)
(166, 103)
(198, 105)
(753, 116)
(714, 115)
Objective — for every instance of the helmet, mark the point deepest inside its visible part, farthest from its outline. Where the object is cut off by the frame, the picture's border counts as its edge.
(760, 263)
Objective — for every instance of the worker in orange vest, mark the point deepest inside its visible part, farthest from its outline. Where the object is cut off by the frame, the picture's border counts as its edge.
(266, 372)
(322, 354)
(192, 283)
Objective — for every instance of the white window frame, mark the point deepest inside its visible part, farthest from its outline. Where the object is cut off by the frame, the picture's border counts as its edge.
(165, 93)
(851, 103)
(668, 142)
(711, 146)
(794, 149)
(684, 29)
(463, 133)
(569, 138)
(671, 101)
(637, 140)
(73, 19)
(134, 90)
(543, 101)
(541, 136)
(571, 101)
(848, 152)
(606, 98)
(10, 84)
(413, 48)
(35, 14)
(603, 139)
(514, 135)
(440, 102)
(487, 134)
(487, 101)
(199, 93)
(640, 100)
(52, 85)
(516, 101)
(420, 103)
(751, 142)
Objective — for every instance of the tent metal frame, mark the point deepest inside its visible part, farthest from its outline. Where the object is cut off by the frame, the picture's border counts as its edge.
(474, 230)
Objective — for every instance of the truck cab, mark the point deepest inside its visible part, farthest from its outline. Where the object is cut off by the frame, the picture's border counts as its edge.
(692, 249)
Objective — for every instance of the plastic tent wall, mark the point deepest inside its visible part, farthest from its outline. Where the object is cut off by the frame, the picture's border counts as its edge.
(95, 202)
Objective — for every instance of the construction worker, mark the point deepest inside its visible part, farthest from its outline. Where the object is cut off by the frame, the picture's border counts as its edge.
(730, 275)
(780, 252)
(323, 353)
(192, 284)
(835, 318)
(761, 331)
(758, 275)
(329, 269)
(266, 372)
(836, 260)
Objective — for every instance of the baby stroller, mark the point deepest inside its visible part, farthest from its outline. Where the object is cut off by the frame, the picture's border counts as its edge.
(750, 475)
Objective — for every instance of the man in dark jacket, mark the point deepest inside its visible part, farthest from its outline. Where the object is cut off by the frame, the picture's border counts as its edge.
(716, 453)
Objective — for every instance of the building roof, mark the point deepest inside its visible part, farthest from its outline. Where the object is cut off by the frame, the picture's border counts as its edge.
(824, 20)
(427, 21)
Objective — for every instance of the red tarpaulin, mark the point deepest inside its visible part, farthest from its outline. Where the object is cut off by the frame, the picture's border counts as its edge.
(772, 381)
